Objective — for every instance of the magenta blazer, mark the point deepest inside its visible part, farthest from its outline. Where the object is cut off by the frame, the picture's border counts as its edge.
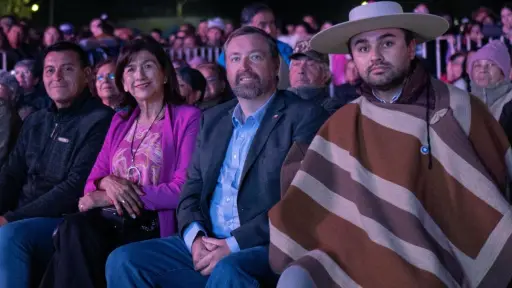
(178, 143)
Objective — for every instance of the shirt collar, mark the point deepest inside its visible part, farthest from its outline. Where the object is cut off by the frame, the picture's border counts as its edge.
(393, 100)
(257, 116)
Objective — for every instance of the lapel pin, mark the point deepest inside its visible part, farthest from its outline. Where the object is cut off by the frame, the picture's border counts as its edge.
(275, 116)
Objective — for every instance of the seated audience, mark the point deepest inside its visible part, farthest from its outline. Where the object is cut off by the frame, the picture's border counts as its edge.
(46, 172)
(192, 85)
(217, 89)
(489, 68)
(105, 85)
(10, 122)
(232, 182)
(140, 169)
(310, 76)
(34, 97)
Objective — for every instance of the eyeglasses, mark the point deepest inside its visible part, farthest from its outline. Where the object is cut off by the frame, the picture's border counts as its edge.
(102, 77)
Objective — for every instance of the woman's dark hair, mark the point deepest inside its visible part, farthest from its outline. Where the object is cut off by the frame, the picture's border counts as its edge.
(146, 43)
(97, 67)
(195, 79)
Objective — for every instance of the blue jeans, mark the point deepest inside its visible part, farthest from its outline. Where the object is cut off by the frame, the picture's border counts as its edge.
(168, 263)
(25, 246)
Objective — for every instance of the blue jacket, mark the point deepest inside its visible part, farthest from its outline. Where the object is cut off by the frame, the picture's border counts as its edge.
(284, 50)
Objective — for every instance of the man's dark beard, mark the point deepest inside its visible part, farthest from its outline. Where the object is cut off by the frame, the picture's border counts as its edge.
(248, 91)
(395, 82)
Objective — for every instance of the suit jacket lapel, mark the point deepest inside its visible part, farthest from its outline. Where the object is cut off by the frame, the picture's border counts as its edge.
(272, 117)
(218, 148)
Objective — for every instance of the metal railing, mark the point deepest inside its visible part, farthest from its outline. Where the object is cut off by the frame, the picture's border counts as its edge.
(210, 54)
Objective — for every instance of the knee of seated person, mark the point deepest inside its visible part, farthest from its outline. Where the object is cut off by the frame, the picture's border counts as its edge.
(226, 267)
(295, 276)
(7, 235)
(119, 258)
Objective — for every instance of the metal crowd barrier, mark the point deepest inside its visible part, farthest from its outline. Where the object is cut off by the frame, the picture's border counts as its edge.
(211, 54)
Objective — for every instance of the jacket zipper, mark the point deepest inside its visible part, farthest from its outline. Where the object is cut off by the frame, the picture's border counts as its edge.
(54, 130)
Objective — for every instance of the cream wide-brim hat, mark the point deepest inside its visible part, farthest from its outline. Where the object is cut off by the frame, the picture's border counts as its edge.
(374, 16)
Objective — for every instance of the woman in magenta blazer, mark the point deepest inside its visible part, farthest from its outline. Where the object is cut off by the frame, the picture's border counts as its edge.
(139, 171)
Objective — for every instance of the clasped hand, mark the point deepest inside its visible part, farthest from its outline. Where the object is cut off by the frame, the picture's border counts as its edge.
(114, 190)
(207, 252)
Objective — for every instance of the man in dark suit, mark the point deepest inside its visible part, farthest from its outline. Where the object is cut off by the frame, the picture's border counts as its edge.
(232, 182)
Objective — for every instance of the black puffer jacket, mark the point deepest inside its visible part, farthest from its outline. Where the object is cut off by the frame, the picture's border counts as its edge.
(54, 154)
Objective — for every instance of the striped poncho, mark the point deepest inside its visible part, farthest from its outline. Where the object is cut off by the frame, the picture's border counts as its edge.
(366, 210)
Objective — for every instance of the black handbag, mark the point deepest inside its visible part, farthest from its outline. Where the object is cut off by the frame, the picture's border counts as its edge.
(146, 226)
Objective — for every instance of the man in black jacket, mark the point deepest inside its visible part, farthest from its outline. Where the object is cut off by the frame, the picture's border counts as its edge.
(232, 182)
(46, 172)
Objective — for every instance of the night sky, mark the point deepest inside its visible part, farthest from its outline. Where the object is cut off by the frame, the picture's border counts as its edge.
(81, 11)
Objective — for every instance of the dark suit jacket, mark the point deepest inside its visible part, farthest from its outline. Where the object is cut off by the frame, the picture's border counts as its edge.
(288, 119)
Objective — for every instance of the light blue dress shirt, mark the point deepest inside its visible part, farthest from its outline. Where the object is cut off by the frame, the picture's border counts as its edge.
(224, 204)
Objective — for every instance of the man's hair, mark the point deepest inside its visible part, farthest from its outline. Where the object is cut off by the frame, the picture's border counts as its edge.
(408, 35)
(249, 30)
(251, 10)
(29, 64)
(63, 46)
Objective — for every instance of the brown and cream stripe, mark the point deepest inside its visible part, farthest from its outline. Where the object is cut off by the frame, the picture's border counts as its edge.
(374, 215)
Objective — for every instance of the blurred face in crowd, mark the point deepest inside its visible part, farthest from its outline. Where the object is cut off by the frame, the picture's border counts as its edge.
(124, 34)
(187, 92)
(143, 77)
(25, 78)
(178, 43)
(215, 85)
(202, 29)
(250, 67)
(421, 9)
(51, 36)
(105, 82)
(506, 17)
(95, 27)
(382, 57)
(290, 29)
(266, 21)
(480, 17)
(475, 33)
(326, 26)
(351, 74)
(306, 72)
(455, 68)
(15, 36)
(64, 78)
(156, 36)
(310, 20)
(190, 42)
(301, 32)
(486, 73)
(229, 28)
(214, 37)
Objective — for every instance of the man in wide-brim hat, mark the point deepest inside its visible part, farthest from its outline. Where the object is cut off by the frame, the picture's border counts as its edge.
(404, 186)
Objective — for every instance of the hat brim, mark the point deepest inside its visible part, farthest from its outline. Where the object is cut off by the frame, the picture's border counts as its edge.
(334, 40)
